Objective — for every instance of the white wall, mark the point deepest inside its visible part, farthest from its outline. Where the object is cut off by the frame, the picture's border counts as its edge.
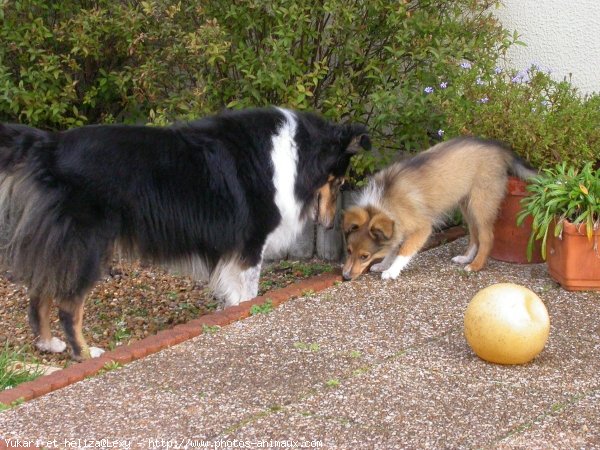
(562, 35)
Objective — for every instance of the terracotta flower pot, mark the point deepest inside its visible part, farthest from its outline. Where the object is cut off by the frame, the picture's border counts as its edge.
(573, 260)
(510, 241)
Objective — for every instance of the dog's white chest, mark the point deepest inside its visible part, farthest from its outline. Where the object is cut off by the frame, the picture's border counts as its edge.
(284, 156)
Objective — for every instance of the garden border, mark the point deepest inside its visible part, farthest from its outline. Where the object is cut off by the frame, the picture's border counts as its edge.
(180, 333)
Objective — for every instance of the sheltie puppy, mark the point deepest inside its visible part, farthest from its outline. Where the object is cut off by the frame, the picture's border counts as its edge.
(396, 212)
(209, 196)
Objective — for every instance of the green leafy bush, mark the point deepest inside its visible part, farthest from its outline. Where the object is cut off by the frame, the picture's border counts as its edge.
(562, 193)
(544, 120)
(73, 62)
(351, 59)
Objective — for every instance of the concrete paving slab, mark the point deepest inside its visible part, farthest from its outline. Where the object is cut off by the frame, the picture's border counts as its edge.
(366, 364)
(565, 366)
(398, 405)
(570, 425)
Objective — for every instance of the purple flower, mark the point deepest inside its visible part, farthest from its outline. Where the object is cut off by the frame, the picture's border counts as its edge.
(465, 65)
(521, 77)
(536, 66)
(483, 100)
(545, 102)
(440, 132)
(428, 90)
(498, 70)
(443, 85)
(479, 81)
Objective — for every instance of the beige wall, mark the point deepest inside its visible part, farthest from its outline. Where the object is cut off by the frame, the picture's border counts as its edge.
(560, 34)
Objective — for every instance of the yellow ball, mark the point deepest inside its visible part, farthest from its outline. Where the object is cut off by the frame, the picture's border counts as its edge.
(507, 324)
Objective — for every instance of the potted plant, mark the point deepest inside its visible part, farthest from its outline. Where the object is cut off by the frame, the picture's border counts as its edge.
(564, 205)
(510, 240)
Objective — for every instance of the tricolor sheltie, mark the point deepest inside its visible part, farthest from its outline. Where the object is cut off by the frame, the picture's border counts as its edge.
(396, 212)
(209, 196)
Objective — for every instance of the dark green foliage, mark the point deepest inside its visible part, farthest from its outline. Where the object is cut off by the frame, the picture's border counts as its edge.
(74, 62)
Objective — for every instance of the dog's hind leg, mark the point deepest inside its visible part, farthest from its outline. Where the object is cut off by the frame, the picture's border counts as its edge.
(483, 208)
(39, 321)
(70, 313)
(72, 295)
(486, 241)
(473, 245)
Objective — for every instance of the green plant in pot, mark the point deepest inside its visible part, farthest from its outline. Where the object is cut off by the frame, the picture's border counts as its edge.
(564, 203)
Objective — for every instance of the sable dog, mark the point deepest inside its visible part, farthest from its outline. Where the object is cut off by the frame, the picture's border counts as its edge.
(398, 209)
(210, 197)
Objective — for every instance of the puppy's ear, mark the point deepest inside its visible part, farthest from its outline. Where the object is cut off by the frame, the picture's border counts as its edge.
(381, 227)
(354, 218)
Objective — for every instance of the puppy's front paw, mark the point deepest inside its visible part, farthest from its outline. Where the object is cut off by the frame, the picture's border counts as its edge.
(390, 274)
(379, 267)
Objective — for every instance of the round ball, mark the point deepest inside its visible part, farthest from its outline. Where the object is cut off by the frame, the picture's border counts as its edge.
(507, 324)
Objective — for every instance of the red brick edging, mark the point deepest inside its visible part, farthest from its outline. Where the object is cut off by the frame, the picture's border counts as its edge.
(167, 338)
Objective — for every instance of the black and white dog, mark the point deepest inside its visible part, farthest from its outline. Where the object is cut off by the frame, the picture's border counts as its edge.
(209, 196)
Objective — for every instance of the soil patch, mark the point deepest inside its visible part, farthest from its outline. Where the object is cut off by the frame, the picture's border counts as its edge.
(132, 302)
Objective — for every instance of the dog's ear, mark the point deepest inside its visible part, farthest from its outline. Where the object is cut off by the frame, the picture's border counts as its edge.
(381, 227)
(354, 218)
(357, 142)
(358, 138)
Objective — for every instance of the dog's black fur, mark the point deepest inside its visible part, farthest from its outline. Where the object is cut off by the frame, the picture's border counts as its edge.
(201, 190)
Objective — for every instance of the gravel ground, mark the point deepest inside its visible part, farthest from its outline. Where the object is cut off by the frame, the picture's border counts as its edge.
(132, 302)
(366, 364)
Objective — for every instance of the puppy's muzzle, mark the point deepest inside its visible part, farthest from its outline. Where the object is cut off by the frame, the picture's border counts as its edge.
(347, 276)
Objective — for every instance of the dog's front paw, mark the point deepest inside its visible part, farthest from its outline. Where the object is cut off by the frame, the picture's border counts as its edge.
(379, 267)
(390, 274)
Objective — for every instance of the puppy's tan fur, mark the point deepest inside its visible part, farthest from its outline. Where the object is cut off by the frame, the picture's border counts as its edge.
(396, 212)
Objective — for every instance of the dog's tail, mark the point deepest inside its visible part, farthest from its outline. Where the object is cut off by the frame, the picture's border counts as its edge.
(31, 239)
(19, 143)
(520, 168)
